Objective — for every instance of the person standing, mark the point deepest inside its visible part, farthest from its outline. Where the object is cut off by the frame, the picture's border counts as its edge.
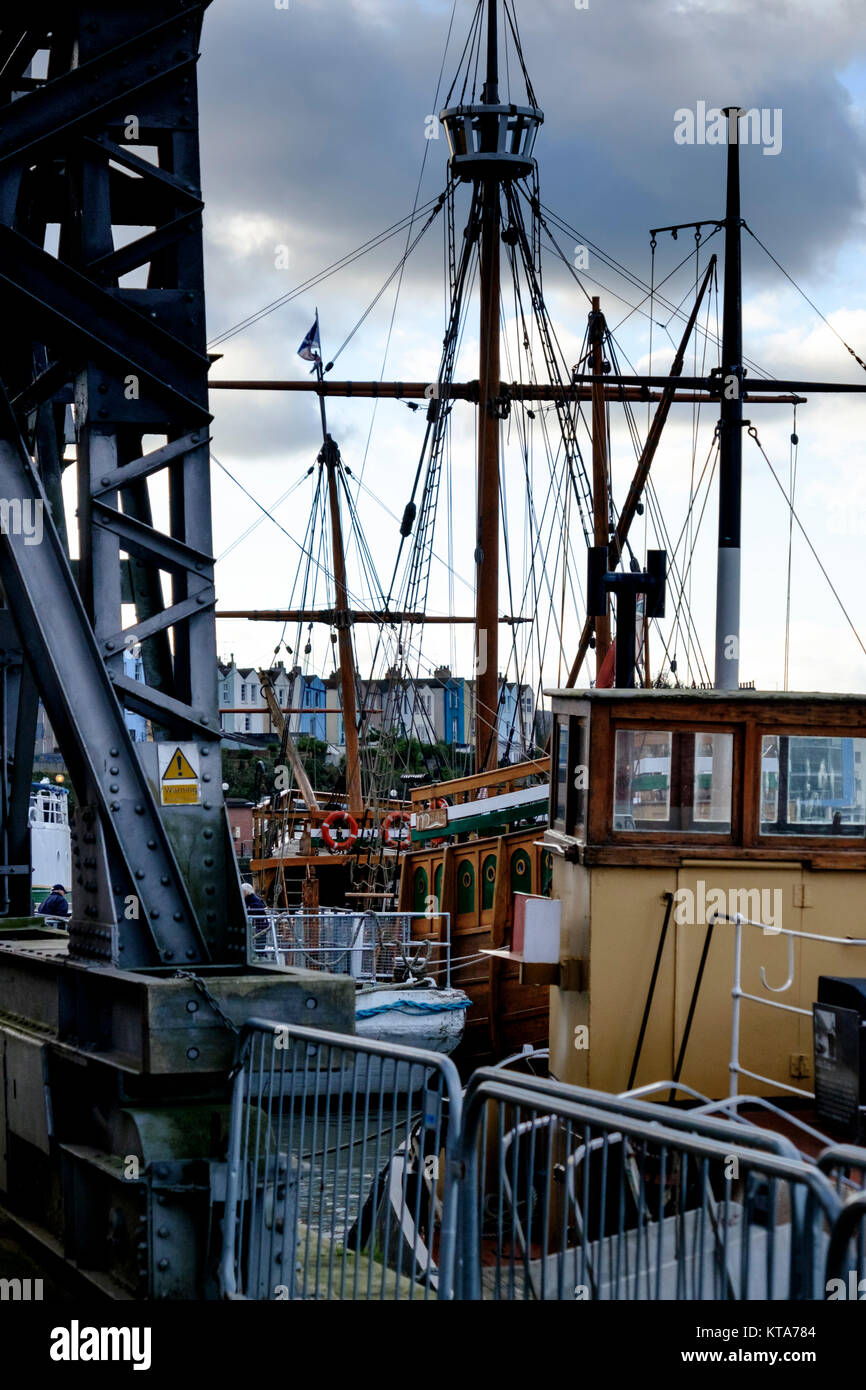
(55, 905)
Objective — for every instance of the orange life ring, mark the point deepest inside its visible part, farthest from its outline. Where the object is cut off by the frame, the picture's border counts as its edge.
(394, 818)
(339, 818)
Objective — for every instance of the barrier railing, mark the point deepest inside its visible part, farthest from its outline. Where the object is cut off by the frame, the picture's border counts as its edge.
(359, 1171)
(594, 1198)
(739, 995)
(342, 1169)
(372, 946)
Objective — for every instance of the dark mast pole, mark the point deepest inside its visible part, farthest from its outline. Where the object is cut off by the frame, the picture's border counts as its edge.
(727, 675)
(330, 458)
(487, 543)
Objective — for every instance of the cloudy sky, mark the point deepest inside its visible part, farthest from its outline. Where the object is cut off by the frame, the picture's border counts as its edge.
(313, 138)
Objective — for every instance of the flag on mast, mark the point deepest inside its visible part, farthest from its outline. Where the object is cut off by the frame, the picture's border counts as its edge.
(311, 348)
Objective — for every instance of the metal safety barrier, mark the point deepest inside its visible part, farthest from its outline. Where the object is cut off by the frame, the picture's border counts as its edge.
(358, 1170)
(576, 1195)
(342, 1169)
(845, 1165)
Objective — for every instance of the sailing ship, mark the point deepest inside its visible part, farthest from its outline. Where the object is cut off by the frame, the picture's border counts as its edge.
(458, 852)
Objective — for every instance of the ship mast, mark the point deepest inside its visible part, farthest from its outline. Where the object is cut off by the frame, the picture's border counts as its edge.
(487, 542)
(330, 459)
(727, 672)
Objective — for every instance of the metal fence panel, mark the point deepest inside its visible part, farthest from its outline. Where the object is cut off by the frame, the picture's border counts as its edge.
(342, 1169)
(585, 1196)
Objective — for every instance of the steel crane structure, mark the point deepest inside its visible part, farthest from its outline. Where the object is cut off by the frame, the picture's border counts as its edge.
(116, 1041)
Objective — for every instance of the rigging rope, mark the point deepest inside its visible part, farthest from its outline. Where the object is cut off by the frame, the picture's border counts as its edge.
(753, 434)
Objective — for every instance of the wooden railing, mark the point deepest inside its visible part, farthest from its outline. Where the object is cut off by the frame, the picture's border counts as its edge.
(492, 783)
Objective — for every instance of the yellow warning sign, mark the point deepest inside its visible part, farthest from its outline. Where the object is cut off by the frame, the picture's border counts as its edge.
(179, 768)
(179, 782)
(180, 794)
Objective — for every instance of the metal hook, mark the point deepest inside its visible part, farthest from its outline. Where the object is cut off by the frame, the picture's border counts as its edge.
(780, 989)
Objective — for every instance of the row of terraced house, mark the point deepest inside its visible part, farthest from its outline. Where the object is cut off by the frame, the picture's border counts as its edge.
(435, 709)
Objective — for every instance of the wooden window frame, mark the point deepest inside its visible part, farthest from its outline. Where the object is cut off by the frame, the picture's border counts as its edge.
(698, 838)
(829, 843)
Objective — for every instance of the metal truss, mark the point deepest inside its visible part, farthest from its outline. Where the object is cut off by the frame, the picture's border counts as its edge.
(102, 295)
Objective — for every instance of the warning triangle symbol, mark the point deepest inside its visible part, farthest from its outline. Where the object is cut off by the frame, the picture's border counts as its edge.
(179, 768)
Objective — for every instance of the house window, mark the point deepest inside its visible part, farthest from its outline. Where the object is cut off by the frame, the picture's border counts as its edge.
(243, 694)
(281, 696)
(673, 780)
(812, 785)
(247, 723)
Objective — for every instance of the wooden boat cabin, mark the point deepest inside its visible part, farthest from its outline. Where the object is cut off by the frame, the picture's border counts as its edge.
(673, 812)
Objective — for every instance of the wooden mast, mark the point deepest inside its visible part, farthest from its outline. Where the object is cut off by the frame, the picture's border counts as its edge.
(330, 458)
(487, 544)
(601, 516)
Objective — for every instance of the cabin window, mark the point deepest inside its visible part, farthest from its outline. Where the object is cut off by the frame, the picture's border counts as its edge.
(813, 785)
(673, 780)
(569, 781)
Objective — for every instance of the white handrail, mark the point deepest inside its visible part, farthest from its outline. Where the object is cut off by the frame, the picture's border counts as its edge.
(738, 994)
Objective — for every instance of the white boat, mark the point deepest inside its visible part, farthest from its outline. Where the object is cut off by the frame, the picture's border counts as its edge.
(50, 840)
(404, 997)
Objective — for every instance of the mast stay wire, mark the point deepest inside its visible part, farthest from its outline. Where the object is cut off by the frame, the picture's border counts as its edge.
(823, 317)
(753, 434)
(313, 281)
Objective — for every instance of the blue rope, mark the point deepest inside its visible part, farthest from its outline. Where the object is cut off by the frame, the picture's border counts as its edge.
(414, 1006)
